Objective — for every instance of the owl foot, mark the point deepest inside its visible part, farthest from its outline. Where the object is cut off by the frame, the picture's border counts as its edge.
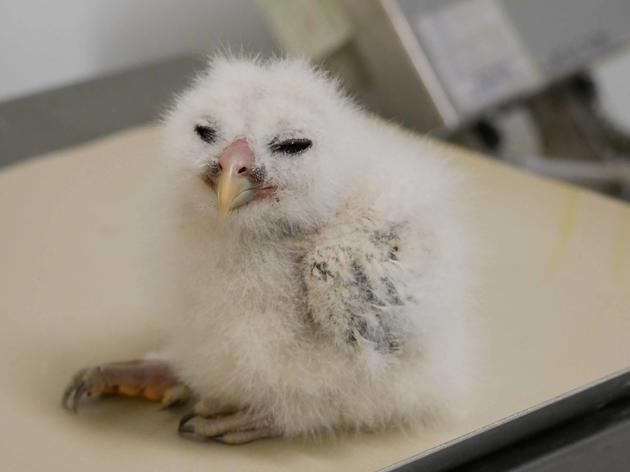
(225, 425)
(150, 379)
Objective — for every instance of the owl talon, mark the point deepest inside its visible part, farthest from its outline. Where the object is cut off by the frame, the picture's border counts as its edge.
(175, 396)
(185, 428)
(182, 423)
(79, 386)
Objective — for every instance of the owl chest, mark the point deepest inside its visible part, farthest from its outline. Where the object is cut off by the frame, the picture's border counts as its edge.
(248, 286)
(246, 316)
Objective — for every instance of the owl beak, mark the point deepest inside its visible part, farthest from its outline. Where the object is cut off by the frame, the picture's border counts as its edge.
(233, 190)
(234, 187)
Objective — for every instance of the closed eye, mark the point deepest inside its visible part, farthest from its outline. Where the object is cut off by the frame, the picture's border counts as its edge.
(206, 133)
(291, 146)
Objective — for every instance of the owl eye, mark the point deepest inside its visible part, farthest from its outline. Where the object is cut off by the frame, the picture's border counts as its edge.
(291, 146)
(206, 133)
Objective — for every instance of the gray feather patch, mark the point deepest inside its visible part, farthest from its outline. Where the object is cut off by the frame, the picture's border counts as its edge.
(351, 290)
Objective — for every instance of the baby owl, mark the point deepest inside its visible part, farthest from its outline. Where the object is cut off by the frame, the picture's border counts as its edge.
(312, 264)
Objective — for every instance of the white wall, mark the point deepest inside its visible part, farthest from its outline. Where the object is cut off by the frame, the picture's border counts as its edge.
(44, 43)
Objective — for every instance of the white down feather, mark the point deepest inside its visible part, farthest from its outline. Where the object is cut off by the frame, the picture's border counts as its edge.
(232, 288)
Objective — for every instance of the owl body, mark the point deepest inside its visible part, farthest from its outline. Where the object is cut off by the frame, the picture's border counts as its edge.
(342, 300)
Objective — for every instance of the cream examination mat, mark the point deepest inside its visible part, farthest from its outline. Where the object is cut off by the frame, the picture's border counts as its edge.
(553, 312)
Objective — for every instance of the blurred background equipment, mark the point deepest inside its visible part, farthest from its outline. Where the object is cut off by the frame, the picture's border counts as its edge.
(507, 77)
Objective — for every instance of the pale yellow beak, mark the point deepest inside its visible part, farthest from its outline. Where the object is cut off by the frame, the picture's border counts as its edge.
(233, 190)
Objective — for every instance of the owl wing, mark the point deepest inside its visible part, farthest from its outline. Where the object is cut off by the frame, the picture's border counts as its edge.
(354, 287)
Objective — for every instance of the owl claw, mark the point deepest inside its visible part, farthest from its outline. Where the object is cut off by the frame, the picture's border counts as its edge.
(182, 427)
(175, 396)
(81, 385)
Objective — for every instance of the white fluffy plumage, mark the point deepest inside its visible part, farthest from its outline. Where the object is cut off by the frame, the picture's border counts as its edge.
(340, 302)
